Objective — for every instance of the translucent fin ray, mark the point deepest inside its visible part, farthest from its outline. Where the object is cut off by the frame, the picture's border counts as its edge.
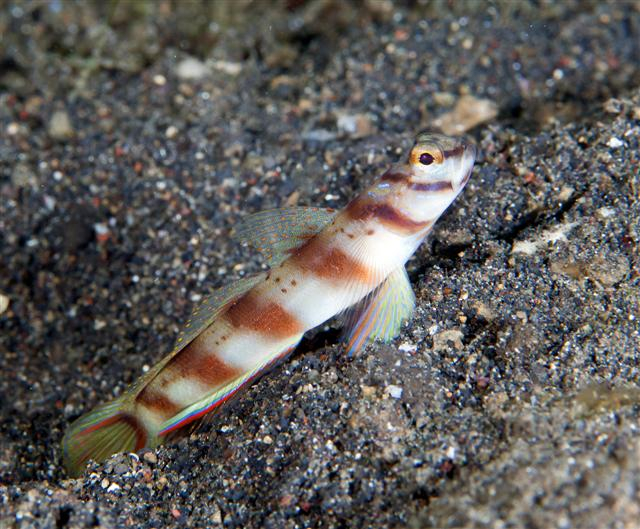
(113, 427)
(211, 307)
(379, 316)
(100, 433)
(276, 232)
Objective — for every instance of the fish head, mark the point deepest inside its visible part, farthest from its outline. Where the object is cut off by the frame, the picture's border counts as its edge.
(424, 186)
(439, 163)
(435, 172)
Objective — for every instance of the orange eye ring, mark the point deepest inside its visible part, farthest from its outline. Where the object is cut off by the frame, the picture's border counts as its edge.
(424, 157)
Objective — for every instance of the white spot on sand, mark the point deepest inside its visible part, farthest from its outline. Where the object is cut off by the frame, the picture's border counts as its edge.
(4, 303)
(615, 143)
(191, 68)
(408, 347)
(394, 391)
(553, 236)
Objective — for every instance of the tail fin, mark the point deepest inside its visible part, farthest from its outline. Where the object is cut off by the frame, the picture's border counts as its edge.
(108, 429)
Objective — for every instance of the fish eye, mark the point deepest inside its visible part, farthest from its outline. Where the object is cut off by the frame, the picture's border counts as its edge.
(423, 155)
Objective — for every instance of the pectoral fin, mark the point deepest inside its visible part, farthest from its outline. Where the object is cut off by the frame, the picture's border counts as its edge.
(380, 315)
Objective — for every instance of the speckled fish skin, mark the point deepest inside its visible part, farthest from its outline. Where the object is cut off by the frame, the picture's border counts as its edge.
(350, 259)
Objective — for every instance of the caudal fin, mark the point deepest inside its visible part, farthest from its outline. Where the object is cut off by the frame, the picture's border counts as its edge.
(108, 429)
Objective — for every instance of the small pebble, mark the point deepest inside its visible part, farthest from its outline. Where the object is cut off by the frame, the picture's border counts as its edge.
(4, 302)
(356, 125)
(231, 68)
(407, 347)
(319, 135)
(191, 69)
(150, 457)
(60, 127)
(613, 106)
(442, 339)
(49, 202)
(615, 143)
(444, 99)
(606, 212)
(102, 231)
(394, 391)
(120, 468)
(23, 176)
(468, 113)
(368, 391)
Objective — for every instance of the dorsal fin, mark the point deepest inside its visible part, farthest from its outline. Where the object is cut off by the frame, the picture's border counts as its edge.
(201, 317)
(113, 427)
(211, 306)
(274, 233)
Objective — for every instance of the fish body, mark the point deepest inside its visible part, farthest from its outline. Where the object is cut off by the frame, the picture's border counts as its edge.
(322, 263)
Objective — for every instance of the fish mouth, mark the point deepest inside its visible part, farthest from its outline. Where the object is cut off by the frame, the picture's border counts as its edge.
(460, 153)
(462, 149)
(467, 159)
(453, 156)
(466, 177)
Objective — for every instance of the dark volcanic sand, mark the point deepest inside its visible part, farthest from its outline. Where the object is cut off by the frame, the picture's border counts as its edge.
(511, 399)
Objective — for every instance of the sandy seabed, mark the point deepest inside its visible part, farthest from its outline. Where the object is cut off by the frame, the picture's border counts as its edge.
(133, 137)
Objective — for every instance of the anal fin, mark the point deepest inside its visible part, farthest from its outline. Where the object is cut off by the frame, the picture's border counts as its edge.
(197, 414)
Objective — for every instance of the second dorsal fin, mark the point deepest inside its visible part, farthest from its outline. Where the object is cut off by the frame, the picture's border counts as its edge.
(201, 317)
(211, 306)
(274, 233)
